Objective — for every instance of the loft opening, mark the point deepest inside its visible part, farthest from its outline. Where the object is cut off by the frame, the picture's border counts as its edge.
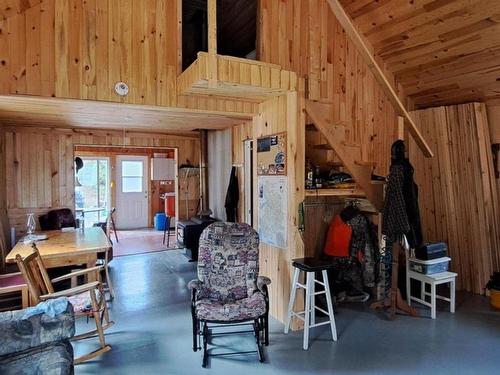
(236, 29)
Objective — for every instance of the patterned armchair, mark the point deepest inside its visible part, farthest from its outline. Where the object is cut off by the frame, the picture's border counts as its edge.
(39, 344)
(228, 289)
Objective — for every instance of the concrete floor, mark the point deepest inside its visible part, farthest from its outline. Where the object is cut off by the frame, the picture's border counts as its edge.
(152, 334)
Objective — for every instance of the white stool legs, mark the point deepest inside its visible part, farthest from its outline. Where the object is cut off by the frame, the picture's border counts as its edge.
(333, 326)
(308, 315)
(452, 296)
(293, 293)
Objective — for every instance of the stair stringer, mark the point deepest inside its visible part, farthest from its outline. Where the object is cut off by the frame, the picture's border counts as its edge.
(319, 113)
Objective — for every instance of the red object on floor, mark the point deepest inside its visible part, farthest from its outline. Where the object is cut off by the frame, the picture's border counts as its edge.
(338, 238)
(170, 205)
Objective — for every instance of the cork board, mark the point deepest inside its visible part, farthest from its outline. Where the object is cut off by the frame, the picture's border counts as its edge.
(271, 155)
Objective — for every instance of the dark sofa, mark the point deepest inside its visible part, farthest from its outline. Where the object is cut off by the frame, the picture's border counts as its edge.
(36, 345)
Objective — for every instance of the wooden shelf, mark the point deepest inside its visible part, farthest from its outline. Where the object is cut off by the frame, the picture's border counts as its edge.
(335, 193)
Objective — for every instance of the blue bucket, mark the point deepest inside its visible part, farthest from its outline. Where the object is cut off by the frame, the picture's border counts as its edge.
(160, 221)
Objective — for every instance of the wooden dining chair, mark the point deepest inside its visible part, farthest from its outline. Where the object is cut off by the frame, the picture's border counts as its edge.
(104, 261)
(103, 258)
(11, 283)
(88, 300)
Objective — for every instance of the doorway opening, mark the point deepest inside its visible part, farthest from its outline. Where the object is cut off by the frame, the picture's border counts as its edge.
(138, 184)
(248, 181)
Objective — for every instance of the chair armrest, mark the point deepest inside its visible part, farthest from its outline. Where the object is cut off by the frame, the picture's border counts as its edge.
(263, 282)
(78, 273)
(20, 334)
(195, 285)
(72, 291)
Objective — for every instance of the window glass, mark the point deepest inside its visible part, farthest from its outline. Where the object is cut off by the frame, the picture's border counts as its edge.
(132, 168)
(131, 184)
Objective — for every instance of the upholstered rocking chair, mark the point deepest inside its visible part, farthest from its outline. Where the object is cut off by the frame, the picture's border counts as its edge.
(228, 290)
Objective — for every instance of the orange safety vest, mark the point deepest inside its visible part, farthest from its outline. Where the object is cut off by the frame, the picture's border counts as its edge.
(338, 239)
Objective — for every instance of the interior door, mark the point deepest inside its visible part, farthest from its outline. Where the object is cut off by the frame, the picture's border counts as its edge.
(132, 192)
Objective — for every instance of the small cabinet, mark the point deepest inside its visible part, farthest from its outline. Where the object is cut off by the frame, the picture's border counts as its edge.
(162, 169)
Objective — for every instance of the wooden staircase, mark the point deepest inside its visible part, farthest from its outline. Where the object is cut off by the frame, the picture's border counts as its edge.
(349, 155)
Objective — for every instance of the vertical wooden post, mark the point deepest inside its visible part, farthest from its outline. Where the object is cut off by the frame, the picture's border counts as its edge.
(401, 128)
(203, 169)
(212, 43)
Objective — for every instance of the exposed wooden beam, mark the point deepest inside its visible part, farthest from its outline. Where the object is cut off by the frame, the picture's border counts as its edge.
(365, 51)
(212, 43)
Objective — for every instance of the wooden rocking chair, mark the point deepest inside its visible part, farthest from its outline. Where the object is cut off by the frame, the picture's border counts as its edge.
(88, 300)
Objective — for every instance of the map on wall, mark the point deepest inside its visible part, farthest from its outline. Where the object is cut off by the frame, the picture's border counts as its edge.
(273, 210)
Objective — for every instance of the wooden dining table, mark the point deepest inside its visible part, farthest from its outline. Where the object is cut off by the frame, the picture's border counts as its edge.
(65, 248)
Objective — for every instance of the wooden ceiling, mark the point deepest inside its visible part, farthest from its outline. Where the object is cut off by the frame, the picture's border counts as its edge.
(69, 113)
(440, 51)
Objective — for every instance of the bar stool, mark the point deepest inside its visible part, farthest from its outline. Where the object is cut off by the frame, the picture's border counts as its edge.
(310, 266)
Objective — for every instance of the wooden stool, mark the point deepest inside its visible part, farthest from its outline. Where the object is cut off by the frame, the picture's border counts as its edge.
(14, 282)
(310, 266)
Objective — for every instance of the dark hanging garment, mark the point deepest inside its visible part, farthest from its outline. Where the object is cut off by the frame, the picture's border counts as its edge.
(401, 212)
(232, 197)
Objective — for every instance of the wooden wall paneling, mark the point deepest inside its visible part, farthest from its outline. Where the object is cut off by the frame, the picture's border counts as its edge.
(4, 222)
(40, 171)
(458, 197)
(493, 109)
(283, 113)
(335, 70)
(17, 53)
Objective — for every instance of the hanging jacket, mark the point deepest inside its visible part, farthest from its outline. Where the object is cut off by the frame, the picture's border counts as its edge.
(364, 248)
(401, 212)
(338, 238)
(232, 197)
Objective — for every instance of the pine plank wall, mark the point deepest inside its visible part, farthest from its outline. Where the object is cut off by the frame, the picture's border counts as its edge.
(81, 48)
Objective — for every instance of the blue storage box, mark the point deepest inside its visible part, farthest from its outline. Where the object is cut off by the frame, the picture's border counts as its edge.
(160, 220)
(430, 267)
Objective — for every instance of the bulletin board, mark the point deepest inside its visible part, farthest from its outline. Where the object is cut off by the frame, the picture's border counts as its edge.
(271, 155)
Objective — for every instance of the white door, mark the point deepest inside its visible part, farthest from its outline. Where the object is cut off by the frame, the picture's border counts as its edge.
(131, 192)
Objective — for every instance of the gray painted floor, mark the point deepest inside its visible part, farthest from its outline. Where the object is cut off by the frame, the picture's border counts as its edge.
(152, 334)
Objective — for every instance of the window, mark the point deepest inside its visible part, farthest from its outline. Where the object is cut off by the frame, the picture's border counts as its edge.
(92, 190)
(132, 176)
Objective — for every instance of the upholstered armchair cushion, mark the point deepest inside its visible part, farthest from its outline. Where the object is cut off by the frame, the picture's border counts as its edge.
(20, 334)
(243, 309)
(228, 262)
(48, 359)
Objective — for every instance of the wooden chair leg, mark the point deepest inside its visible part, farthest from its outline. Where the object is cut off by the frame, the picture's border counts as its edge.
(100, 331)
(108, 281)
(25, 297)
(114, 228)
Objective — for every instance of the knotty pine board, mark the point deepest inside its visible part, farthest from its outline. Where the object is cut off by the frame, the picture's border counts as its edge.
(458, 192)
(39, 165)
(312, 43)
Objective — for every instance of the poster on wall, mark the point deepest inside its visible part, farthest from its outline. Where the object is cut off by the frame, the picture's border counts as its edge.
(271, 155)
(273, 210)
